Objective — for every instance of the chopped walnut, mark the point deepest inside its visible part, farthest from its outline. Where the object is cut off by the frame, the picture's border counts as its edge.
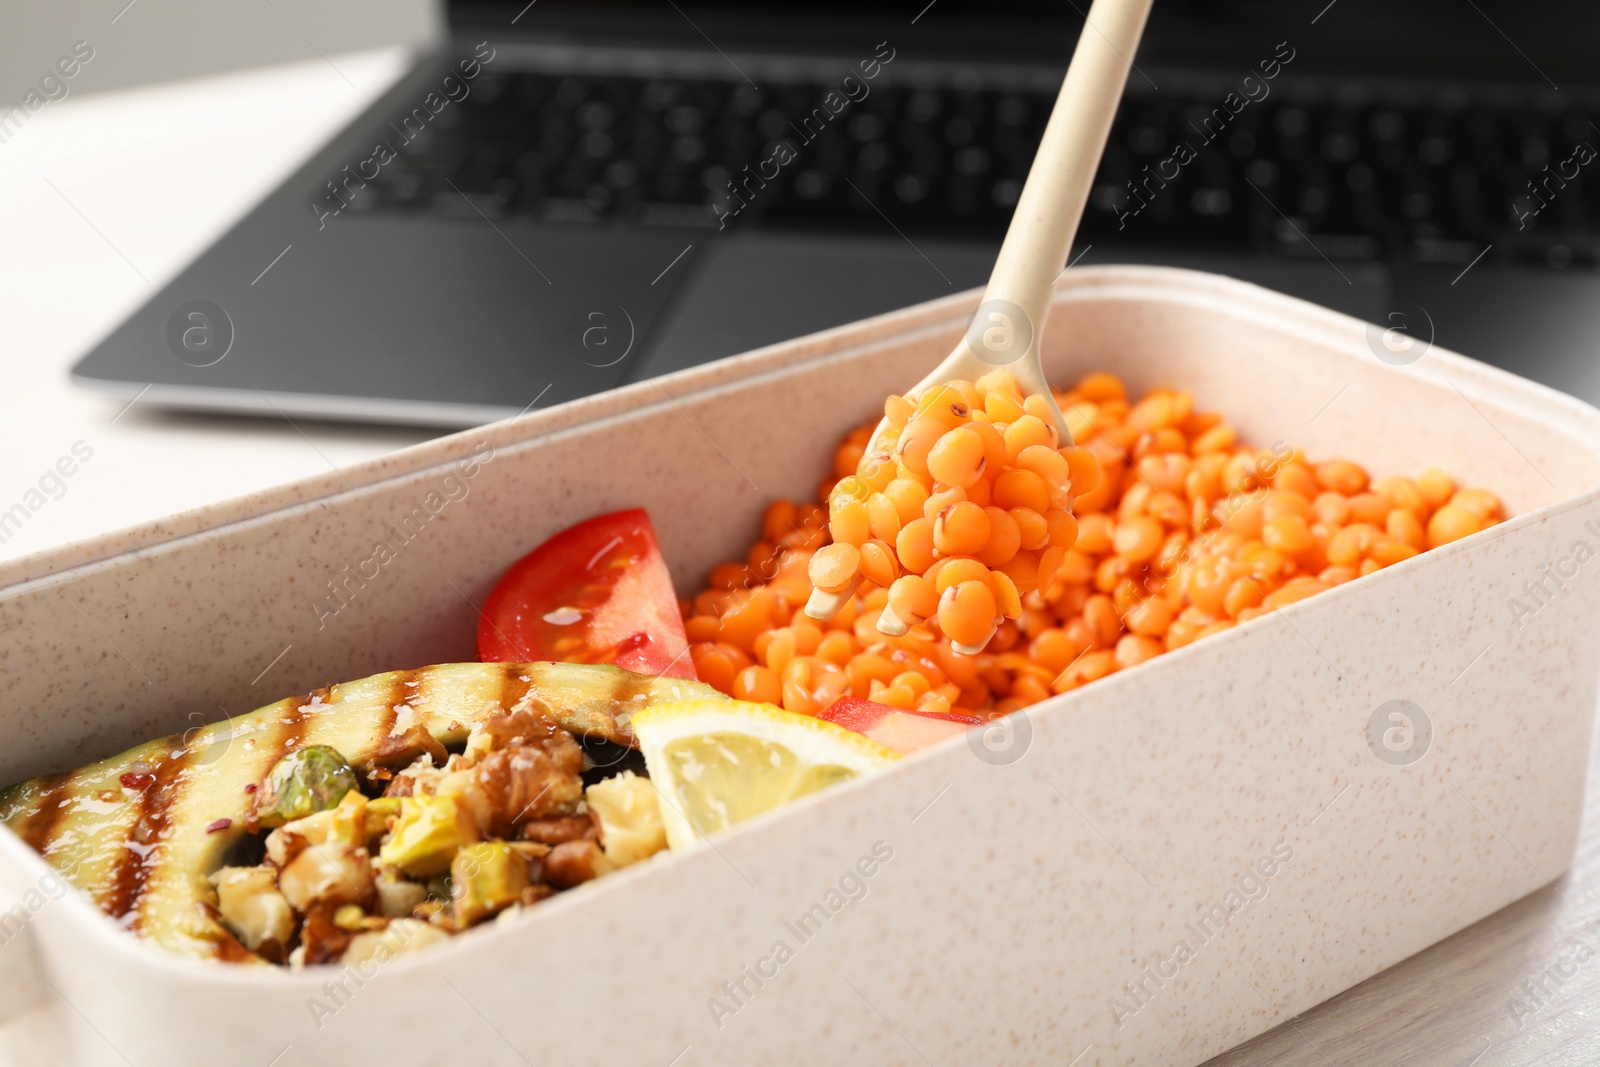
(573, 863)
(401, 785)
(535, 893)
(558, 830)
(405, 743)
(526, 781)
(533, 725)
(321, 937)
(417, 778)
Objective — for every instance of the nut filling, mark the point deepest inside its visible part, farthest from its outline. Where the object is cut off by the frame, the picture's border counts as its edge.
(454, 840)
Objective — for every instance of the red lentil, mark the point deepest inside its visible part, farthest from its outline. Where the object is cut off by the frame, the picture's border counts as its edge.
(1176, 531)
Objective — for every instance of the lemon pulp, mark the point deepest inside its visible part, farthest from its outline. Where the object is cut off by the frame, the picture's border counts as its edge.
(720, 763)
(725, 778)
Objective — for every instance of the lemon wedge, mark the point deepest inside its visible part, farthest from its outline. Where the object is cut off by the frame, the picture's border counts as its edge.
(720, 762)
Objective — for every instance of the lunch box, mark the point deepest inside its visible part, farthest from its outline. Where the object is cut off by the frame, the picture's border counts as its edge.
(1147, 870)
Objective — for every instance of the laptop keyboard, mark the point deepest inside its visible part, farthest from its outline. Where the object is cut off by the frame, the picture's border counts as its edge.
(1430, 181)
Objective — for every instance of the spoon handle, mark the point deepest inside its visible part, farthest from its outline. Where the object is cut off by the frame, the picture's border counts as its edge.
(1058, 184)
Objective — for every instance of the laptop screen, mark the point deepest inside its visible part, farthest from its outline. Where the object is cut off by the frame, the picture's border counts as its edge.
(1549, 42)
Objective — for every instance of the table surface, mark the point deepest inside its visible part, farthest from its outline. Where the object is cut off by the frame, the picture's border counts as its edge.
(104, 198)
(83, 251)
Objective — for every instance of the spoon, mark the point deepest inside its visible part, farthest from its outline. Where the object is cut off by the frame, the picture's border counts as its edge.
(1006, 328)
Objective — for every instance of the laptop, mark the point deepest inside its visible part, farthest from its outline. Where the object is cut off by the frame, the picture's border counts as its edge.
(571, 195)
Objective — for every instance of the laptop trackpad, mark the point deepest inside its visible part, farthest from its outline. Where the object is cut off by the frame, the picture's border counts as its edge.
(757, 290)
(1363, 290)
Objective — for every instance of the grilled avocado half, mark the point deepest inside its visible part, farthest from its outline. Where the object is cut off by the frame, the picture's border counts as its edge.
(142, 832)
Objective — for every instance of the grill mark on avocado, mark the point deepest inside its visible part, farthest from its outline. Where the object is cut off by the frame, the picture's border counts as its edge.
(291, 729)
(632, 689)
(286, 733)
(394, 748)
(150, 825)
(515, 683)
(399, 693)
(39, 828)
(631, 693)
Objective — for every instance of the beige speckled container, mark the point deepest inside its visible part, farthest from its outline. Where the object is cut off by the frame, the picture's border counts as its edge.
(1146, 871)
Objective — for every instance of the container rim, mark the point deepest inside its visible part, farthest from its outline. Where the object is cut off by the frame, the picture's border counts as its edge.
(1294, 317)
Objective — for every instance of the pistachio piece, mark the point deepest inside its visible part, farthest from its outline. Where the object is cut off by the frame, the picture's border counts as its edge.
(427, 833)
(378, 813)
(304, 782)
(485, 878)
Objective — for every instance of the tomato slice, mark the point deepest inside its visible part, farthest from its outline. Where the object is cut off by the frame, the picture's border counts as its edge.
(597, 592)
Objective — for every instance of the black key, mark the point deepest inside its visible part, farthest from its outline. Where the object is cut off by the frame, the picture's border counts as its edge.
(1339, 147)
(1262, 173)
(1146, 140)
(1293, 122)
(923, 107)
(747, 100)
(971, 161)
(685, 119)
(872, 157)
(1011, 110)
(1386, 125)
(866, 127)
(958, 131)
(1435, 150)
(596, 115)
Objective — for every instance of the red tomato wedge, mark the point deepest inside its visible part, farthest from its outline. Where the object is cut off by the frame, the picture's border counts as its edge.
(904, 731)
(597, 592)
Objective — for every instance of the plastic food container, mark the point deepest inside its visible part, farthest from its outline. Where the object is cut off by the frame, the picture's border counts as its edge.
(1145, 871)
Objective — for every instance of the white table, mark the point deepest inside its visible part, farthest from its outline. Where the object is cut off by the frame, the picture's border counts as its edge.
(102, 200)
